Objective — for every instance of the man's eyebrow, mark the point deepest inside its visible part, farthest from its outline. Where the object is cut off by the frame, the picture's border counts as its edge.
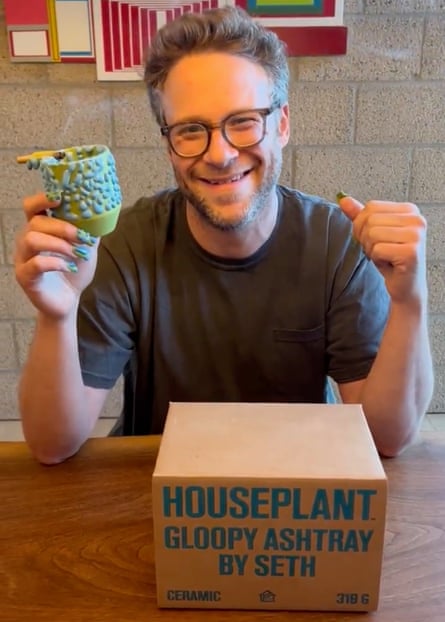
(191, 119)
(198, 119)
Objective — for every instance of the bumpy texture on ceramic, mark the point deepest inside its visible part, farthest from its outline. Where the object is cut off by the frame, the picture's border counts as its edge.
(85, 178)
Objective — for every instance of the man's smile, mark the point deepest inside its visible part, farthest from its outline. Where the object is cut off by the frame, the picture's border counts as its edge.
(223, 181)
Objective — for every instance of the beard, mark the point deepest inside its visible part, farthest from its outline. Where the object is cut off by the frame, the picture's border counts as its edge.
(214, 215)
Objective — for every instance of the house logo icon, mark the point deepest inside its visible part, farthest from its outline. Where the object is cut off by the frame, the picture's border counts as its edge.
(267, 597)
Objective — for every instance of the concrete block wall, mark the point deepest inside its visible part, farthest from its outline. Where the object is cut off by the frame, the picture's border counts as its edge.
(371, 123)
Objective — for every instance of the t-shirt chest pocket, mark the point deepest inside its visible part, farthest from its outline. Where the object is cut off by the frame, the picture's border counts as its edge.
(295, 335)
(298, 362)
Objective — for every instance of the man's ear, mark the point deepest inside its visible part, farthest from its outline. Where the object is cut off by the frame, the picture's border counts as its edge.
(284, 125)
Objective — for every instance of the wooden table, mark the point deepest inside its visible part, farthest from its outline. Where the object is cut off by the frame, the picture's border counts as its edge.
(76, 539)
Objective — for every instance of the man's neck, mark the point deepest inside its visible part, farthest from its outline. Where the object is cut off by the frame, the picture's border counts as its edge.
(237, 243)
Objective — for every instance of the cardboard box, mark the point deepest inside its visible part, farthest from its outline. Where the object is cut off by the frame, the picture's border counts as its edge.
(268, 506)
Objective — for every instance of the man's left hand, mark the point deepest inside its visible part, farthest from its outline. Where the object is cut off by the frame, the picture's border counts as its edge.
(393, 236)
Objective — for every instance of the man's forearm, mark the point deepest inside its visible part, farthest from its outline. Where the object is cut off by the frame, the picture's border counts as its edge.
(51, 392)
(399, 386)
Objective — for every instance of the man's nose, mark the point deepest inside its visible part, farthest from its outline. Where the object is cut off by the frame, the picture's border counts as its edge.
(219, 152)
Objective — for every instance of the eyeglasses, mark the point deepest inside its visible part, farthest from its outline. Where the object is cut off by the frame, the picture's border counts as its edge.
(240, 129)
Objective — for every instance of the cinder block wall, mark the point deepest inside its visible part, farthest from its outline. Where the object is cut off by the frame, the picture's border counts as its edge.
(371, 123)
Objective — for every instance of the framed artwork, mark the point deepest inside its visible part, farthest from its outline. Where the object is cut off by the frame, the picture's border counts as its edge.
(113, 33)
(50, 30)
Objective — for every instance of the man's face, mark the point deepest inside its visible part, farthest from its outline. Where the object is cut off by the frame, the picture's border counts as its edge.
(227, 186)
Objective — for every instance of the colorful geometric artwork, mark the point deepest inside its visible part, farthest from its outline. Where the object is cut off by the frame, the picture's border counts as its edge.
(291, 7)
(50, 30)
(115, 33)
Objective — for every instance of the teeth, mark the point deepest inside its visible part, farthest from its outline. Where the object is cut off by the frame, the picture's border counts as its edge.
(226, 181)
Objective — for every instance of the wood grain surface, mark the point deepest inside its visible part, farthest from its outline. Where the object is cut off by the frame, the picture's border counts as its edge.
(76, 539)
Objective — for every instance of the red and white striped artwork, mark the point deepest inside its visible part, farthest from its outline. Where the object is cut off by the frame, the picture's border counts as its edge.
(126, 28)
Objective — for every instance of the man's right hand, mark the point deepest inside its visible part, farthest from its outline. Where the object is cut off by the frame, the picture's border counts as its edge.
(47, 262)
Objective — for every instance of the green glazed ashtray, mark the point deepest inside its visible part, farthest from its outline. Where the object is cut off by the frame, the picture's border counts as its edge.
(85, 178)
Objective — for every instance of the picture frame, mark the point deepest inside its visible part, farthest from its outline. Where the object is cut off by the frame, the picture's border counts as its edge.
(114, 33)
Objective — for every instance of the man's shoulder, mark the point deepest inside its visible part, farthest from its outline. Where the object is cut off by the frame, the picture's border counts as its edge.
(144, 225)
(293, 197)
(158, 206)
(312, 208)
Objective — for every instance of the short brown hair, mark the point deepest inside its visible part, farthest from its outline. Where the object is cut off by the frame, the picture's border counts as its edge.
(229, 30)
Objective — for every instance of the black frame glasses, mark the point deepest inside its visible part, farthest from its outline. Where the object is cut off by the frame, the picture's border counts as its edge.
(170, 131)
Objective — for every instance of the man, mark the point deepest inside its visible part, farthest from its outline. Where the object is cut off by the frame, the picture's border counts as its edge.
(230, 287)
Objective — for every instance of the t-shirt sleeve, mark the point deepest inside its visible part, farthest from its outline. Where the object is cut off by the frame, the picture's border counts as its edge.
(357, 316)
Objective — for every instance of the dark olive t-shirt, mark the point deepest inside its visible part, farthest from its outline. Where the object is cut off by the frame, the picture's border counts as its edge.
(184, 325)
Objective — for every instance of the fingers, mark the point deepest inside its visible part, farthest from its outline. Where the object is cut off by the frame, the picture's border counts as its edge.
(51, 235)
(388, 222)
(36, 212)
(349, 206)
(36, 209)
(389, 233)
(395, 230)
(61, 229)
(35, 242)
(42, 233)
(402, 257)
(30, 271)
(369, 218)
(48, 244)
(37, 204)
(353, 209)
